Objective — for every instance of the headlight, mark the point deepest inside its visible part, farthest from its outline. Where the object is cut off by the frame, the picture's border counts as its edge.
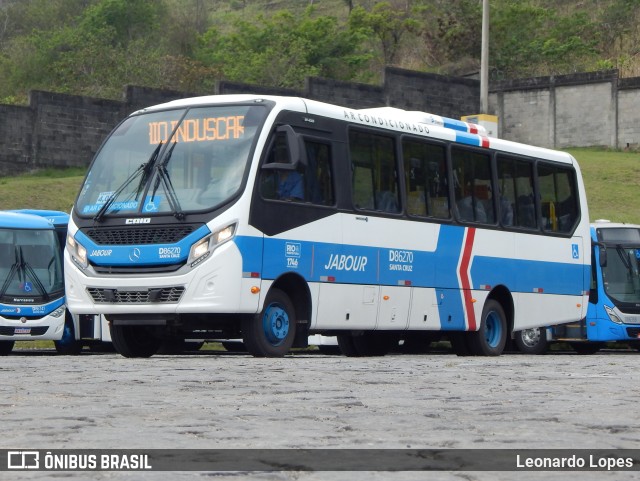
(203, 248)
(59, 311)
(612, 315)
(78, 252)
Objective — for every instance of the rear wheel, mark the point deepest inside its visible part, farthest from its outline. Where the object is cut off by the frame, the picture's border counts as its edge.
(135, 341)
(272, 331)
(6, 347)
(490, 339)
(68, 345)
(532, 341)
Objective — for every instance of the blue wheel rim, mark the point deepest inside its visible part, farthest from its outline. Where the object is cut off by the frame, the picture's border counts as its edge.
(493, 329)
(275, 323)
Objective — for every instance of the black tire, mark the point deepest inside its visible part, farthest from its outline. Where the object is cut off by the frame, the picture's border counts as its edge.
(6, 347)
(271, 332)
(135, 341)
(586, 348)
(346, 345)
(532, 341)
(491, 338)
(68, 345)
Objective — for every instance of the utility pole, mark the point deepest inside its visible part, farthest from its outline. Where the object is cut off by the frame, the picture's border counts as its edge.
(484, 60)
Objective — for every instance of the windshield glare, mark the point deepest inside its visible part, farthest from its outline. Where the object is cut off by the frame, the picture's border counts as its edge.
(41, 266)
(204, 163)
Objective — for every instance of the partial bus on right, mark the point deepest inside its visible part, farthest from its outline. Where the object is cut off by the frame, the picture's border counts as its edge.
(613, 313)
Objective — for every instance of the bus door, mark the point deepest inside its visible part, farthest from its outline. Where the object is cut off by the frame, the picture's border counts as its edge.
(374, 232)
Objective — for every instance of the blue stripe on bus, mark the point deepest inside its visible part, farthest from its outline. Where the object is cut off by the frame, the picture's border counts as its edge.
(352, 264)
(458, 125)
(152, 254)
(469, 139)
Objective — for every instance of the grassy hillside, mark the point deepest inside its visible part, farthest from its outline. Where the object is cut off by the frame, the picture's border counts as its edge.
(612, 180)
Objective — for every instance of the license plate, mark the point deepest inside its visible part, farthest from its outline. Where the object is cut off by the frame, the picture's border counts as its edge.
(22, 330)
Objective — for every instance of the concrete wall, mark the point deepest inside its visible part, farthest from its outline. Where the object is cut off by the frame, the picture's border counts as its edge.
(593, 109)
(579, 110)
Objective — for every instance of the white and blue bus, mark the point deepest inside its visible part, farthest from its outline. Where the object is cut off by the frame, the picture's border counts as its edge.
(32, 302)
(613, 314)
(273, 218)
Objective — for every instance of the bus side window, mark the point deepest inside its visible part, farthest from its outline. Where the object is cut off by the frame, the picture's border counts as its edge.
(312, 183)
(426, 179)
(374, 172)
(285, 182)
(318, 179)
(515, 185)
(472, 186)
(558, 194)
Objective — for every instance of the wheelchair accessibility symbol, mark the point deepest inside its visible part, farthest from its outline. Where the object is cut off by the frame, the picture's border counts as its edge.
(152, 204)
(575, 251)
(150, 207)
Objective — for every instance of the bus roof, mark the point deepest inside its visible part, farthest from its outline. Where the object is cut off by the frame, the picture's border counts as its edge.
(32, 219)
(607, 224)
(391, 118)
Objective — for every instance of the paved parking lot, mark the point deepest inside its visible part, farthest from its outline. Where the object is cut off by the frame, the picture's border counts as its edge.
(213, 400)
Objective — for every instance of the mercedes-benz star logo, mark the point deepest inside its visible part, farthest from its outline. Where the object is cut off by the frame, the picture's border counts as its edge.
(134, 254)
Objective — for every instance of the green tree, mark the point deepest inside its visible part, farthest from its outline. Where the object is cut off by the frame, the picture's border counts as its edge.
(282, 50)
(387, 23)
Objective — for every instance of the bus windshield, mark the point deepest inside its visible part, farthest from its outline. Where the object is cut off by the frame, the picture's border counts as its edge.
(30, 265)
(174, 161)
(621, 274)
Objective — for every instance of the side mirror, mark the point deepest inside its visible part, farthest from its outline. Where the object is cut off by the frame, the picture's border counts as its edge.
(296, 152)
(602, 250)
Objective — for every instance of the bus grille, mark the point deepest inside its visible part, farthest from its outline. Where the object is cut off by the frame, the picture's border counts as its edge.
(35, 331)
(140, 235)
(146, 296)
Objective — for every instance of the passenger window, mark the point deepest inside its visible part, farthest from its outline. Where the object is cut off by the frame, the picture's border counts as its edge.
(425, 169)
(472, 186)
(374, 172)
(558, 196)
(516, 203)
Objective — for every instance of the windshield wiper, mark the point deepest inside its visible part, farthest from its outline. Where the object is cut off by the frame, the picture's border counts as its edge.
(21, 266)
(145, 169)
(26, 267)
(164, 177)
(10, 276)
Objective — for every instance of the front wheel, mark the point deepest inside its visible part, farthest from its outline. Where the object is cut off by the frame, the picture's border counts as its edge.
(135, 341)
(532, 341)
(271, 332)
(491, 338)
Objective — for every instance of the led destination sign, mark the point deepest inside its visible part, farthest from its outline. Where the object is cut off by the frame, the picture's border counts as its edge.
(198, 130)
